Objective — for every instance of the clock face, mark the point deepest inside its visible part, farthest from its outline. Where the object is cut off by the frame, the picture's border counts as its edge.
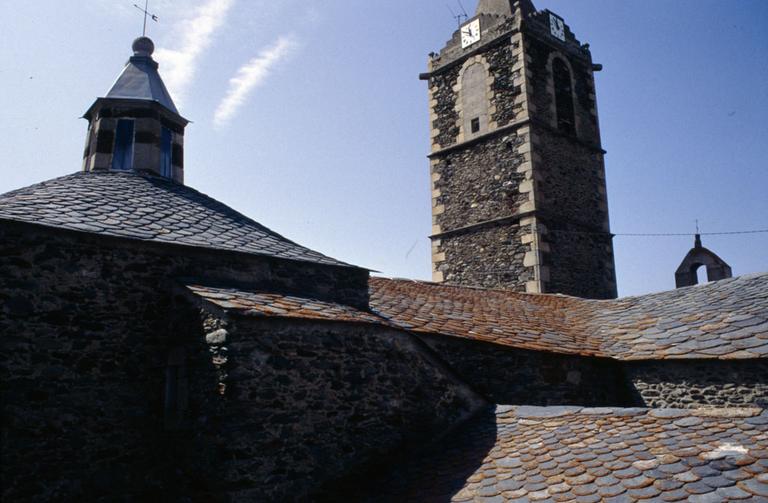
(470, 33)
(557, 27)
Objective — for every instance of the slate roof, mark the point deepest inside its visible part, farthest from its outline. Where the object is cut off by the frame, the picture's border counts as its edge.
(538, 322)
(723, 320)
(726, 319)
(559, 454)
(147, 208)
(140, 80)
(284, 306)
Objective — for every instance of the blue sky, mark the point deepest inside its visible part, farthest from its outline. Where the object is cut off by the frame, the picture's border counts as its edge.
(309, 117)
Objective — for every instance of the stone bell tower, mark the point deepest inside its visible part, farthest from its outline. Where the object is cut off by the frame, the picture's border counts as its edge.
(518, 178)
(136, 127)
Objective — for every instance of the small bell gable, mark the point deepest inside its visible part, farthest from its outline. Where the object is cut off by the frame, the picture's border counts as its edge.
(698, 256)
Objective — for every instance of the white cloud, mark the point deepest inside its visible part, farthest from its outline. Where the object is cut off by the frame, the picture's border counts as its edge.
(196, 34)
(249, 76)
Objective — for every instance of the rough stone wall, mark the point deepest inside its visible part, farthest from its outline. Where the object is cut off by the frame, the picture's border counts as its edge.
(445, 117)
(444, 92)
(515, 376)
(570, 178)
(692, 384)
(501, 60)
(585, 104)
(28, 246)
(86, 326)
(491, 256)
(472, 185)
(580, 262)
(479, 183)
(304, 403)
(571, 195)
(85, 337)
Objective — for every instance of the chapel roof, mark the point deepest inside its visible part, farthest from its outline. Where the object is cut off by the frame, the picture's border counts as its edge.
(722, 320)
(725, 319)
(147, 208)
(589, 455)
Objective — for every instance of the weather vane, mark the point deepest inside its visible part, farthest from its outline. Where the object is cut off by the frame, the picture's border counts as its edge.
(146, 13)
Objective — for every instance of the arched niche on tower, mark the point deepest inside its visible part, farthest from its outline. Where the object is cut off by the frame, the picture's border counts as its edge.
(474, 98)
(561, 86)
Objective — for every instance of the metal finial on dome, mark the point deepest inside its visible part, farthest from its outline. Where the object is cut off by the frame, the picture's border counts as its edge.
(143, 46)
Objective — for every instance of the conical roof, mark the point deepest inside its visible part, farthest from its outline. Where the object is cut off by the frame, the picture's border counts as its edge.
(140, 79)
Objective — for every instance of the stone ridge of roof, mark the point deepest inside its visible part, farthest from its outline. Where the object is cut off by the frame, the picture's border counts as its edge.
(148, 208)
(725, 320)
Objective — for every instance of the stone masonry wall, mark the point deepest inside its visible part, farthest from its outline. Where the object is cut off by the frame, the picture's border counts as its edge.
(572, 198)
(85, 338)
(571, 195)
(446, 118)
(514, 376)
(479, 183)
(86, 327)
(473, 185)
(571, 183)
(585, 104)
(29, 246)
(692, 384)
(444, 91)
(580, 262)
(502, 59)
(491, 256)
(305, 403)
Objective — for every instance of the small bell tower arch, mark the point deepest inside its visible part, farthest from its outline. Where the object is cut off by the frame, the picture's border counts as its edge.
(686, 274)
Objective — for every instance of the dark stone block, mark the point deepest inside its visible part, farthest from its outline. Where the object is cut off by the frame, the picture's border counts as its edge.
(105, 140)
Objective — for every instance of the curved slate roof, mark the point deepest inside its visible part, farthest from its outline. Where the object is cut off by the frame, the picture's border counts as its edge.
(147, 208)
(726, 319)
(537, 322)
(528, 454)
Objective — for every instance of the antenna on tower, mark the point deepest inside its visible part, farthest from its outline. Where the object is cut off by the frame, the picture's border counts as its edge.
(463, 10)
(457, 17)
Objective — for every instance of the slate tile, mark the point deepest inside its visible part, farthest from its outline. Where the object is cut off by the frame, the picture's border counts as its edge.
(755, 487)
(732, 493)
(697, 488)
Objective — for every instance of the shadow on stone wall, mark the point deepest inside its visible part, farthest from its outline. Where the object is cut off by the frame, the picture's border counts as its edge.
(516, 376)
(301, 403)
(433, 473)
